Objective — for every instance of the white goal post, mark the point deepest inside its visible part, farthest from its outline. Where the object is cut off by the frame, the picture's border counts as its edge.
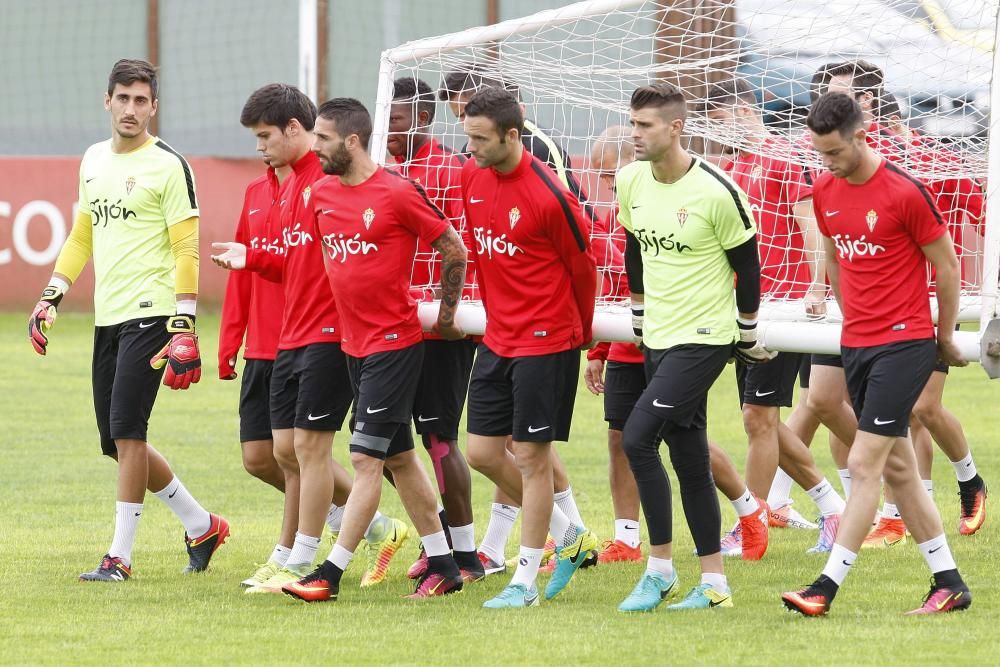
(575, 68)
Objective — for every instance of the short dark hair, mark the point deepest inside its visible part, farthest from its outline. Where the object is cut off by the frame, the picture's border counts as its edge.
(662, 94)
(888, 106)
(127, 71)
(471, 77)
(349, 116)
(277, 104)
(820, 78)
(835, 112)
(729, 93)
(416, 91)
(500, 106)
(865, 77)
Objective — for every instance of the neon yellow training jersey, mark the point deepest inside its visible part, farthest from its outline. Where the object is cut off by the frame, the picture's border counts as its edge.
(132, 198)
(684, 229)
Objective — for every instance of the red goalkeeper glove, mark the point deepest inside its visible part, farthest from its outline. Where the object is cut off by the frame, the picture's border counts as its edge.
(43, 317)
(180, 355)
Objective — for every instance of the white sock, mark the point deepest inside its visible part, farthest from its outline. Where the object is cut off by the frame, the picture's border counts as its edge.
(826, 498)
(463, 538)
(716, 581)
(664, 566)
(340, 557)
(303, 551)
(966, 468)
(435, 544)
(561, 528)
(502, 518)
(127, 517)
(845, 481)
(839, 563)
(780, 492)
(889, 511)
(528, 560)
(335, 517)
(280, 554)
(195, 518)
(627, 531)
(566, 502)
(378, 527)
(929, 485)
(746, 504)
(937, 554)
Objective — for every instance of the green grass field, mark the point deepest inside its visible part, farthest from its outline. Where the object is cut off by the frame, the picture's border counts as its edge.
(58, 507)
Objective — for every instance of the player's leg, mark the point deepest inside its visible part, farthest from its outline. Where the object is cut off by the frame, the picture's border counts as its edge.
(623, 385)
(948, 433)
(256, 444)
(749, 509)
(797, 460)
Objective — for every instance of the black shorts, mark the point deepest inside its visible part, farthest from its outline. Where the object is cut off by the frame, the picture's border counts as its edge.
(623, 385)
(443, 386)
(124, 383)
(769, 384)
(678, 382)
(310, 388)
(528, 398)
(885, 382)
(385, 386)
(255, 400)
(811, 360)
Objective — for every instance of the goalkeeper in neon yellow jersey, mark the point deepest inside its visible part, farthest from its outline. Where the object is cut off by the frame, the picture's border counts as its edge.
(138, 219)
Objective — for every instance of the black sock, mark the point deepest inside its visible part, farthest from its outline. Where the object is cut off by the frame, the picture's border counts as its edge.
(467, 559)
(443, 564)
(444, 526)
(827, 586)
(331, 572)
(948, 579)
(973, 484)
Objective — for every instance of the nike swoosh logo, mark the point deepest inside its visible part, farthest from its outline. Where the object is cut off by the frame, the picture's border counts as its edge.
(171, 495)
(657, 404)
(117, 576)
(628, 527)
(850, 564)
(530, 601)
(473, 200)
(146, 325)
(714, 603)
(89, 180)
(758, 394)
(253, 210)
(328, 211)
(138, 513)
(312, 419)
(930, 551)
(371, 412)
(421, 418)
(879, 422)
(943, 603)
(830, 214)
(532, 429)
(634, 207)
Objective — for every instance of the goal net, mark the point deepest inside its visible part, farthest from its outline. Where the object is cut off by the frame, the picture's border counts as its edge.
(922, 70)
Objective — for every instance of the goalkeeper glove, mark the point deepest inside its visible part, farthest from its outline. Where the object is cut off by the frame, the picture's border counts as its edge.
(748, 349)
(180, 355)
(43, 317)
(638, 315)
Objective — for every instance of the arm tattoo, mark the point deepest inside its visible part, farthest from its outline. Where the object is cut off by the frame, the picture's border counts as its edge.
(453, 261)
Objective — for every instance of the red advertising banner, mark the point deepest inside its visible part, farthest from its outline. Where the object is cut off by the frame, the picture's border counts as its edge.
(38, 205)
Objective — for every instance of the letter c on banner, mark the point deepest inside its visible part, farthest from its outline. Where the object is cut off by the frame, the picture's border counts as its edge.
(5, 255)
(19, 232)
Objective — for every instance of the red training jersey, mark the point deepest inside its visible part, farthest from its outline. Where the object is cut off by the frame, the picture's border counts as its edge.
(774, 185)
(878, 228)
(369, 231)
(253, 305)
(310, 314)
(537, 275)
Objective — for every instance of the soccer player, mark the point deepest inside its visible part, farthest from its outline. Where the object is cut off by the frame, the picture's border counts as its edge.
(689, 232)
(137, 201)
(310, 392)
(780, 195)
(369, 220)
(880, 226)
(625, 377)
(444, 374)
(538, 280)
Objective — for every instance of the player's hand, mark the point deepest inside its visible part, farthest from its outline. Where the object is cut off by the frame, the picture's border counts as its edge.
(748, 349)
(43, 317)
(180, 355)
(638, 319)
(227, 369)
(231, 255)
(594, 376)
(815, 302)
(449, 331)
(949, 353)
